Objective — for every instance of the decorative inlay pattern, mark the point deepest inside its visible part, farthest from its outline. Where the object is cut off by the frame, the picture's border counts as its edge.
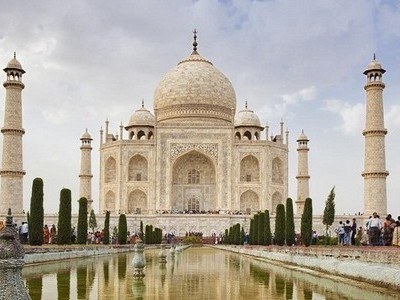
(177, 148)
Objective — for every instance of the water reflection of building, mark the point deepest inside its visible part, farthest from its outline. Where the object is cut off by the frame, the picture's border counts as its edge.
(197, 273)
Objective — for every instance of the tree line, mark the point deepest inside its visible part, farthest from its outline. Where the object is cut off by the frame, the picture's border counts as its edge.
(36, 221)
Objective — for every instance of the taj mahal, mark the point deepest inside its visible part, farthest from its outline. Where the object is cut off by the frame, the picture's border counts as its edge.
(199, 161)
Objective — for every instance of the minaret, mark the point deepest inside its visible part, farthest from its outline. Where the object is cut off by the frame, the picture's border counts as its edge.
(375, 172)
(85, 176)
(302, 172)
(12, 172)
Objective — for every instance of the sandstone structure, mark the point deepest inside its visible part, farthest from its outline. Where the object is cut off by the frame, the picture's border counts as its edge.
(375, 172)
(11, 195)
(85, 175)
(302, 172)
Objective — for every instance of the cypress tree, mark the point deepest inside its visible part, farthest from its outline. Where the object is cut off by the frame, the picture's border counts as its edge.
(82, 221)
(329, 212)
(251, 233)
(151, 236)
(147, 235)
(35, 221)
(242, 236)
(106, 239)
(237, 234)
(268, 235)
(306, 223)
(280, 225)
(256, 222)
(226, 239)
(92, 221)
(289, 226)
(141, 230)
(64, 218)
(261, 229)
(122, 229)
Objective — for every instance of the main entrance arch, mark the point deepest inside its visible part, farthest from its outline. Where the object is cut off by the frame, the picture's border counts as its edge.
(193, 183)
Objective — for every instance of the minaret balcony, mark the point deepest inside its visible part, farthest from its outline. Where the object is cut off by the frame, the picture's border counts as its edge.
(379, 132)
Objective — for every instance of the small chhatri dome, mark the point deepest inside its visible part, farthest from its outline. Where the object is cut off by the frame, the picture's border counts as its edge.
(195, 90)
(247, 117)
(141, 117)
(86, 135)
(14, 64)
(302, 137)
(374, 65)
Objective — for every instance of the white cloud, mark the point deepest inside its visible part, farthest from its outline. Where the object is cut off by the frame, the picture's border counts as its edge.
(392, 117)
(302, 95)
(352, 116)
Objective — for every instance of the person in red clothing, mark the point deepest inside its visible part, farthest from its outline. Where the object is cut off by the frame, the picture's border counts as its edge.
(46, 234)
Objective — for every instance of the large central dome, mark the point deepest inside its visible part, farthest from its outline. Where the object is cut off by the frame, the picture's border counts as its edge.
(195, 91)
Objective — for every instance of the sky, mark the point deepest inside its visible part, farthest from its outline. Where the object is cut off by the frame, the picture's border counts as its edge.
(300, 61)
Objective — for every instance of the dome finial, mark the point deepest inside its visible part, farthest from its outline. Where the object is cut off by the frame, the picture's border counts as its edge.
(195, 41)
(374, 56)
(142, 103)
(245, 104)
(15, 55)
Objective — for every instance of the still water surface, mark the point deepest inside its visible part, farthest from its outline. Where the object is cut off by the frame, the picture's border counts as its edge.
(196, 273)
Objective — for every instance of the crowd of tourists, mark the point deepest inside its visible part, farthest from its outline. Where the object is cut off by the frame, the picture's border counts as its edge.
(202, 212)
(375, 232)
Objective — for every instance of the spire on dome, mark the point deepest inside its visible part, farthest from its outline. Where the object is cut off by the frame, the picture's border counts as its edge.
(195, 41)
(15, 55)
(374, 56)
(245, 104)
(142, 103)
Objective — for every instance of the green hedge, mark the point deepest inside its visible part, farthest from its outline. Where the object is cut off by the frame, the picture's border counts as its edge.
(64, 218)
(82, 221)
(35, 221)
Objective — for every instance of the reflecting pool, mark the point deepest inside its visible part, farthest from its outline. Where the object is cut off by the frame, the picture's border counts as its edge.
(196, 273)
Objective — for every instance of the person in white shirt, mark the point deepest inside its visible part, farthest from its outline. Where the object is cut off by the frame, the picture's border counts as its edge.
(374, 229)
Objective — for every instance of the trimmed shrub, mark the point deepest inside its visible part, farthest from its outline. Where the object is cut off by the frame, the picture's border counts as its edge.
(306, 223)
(329, 212)
(106, 239)
(92, 221)
(256, 222)
(192, 240)
(280, 225)
(82, 221)
(35, 220)
(289, 226)
(157, 235)
(64, 218)
(261, 229)
(122, 229)
(141, 230)
(268, 235)
(242, 236)
(251, 233)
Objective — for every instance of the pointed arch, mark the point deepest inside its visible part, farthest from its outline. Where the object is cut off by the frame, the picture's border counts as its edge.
(193, 176)
(110, 170)
(249, 202)
(137, 202)
(237, 136)
(247, 135)
(110, 201)
(277, 170)
(138, 168)
(276, 199)
(249, 169)
(150, 135)
(141, 135)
